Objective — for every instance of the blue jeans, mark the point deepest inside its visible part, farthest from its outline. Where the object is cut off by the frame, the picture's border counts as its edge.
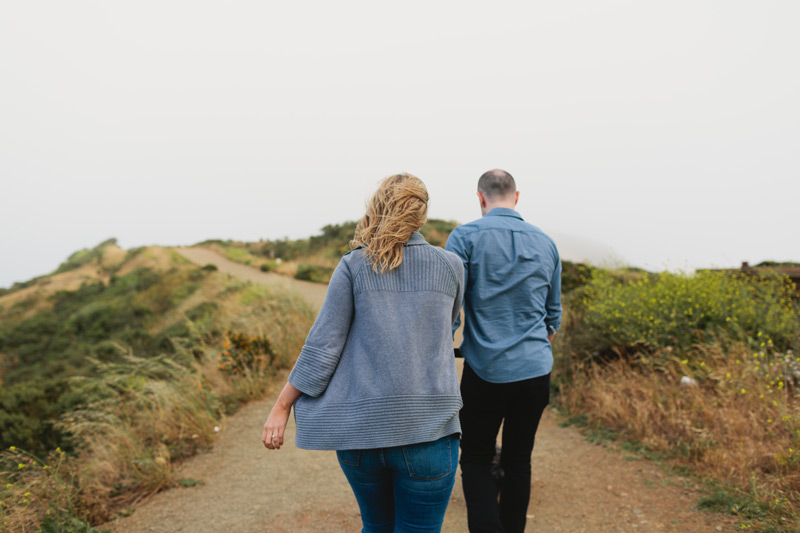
(403, 488)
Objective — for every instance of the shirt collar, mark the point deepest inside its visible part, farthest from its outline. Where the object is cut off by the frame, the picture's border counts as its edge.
(503, 212)
(416, 239)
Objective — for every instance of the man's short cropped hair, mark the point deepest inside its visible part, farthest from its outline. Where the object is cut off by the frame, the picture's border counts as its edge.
(497, 184)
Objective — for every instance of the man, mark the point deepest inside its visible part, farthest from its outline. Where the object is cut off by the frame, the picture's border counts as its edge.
(512, 309)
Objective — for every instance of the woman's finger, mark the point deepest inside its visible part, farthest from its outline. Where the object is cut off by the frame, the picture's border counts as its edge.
(272, 437)
(266, 437)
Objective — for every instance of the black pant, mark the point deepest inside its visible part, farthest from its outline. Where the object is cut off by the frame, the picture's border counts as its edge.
(518, 406)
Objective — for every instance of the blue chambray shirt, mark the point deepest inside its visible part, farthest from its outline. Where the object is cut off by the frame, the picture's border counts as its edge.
(512, 296)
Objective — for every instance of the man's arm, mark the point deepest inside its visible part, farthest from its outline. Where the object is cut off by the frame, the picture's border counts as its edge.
(553, 302)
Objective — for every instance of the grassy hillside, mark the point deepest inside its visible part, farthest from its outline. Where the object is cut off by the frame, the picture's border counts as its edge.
(121, 363)
(118, 365)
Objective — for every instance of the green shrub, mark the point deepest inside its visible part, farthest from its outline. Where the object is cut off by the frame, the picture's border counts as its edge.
(319, 274)
(27, 410)
(574, 275)
(680, 310)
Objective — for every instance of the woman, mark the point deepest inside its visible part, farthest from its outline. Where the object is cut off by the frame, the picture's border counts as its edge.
(376, 379)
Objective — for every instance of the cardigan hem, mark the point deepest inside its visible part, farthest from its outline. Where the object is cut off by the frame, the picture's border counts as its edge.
(375, 423)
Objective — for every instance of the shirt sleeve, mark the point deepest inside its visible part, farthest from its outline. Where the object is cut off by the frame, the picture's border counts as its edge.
(553, 302)
(320, 355)
(457, 244)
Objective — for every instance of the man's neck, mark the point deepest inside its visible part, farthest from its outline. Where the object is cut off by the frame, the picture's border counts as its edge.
(507, 205)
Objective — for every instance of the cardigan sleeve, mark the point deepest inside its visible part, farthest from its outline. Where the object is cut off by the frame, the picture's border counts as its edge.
(323, 348)
(458, 269)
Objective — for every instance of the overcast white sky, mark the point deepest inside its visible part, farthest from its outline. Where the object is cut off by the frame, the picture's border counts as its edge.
(666, 133)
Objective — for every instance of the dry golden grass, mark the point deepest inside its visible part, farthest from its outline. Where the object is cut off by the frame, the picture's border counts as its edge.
(287, 268)
(158, 410)
(739, 424)
(155, 257)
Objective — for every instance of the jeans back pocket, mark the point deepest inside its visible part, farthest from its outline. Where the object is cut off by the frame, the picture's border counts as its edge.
(348, 457)
(430, 460)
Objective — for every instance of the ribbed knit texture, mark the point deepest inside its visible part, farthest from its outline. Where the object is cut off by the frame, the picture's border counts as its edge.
(377, 369)
(422, 272)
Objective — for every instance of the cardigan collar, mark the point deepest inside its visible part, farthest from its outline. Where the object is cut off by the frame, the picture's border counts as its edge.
(416, 239)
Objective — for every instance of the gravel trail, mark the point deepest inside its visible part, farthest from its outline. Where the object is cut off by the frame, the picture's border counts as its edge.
(577, 486)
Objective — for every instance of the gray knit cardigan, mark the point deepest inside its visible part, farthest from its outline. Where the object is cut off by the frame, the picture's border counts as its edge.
(377, 368)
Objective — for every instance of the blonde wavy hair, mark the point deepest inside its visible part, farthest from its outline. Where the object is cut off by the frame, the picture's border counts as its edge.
(397, 209)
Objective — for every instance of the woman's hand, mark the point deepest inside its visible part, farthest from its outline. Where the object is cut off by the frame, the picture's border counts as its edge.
(275, 426)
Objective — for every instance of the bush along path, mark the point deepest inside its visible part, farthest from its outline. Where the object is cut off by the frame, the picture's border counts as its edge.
(238, 486)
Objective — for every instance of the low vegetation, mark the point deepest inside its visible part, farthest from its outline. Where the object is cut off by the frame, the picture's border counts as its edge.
(107, 385)
(311, 259)
(700, 371)
(121, 364)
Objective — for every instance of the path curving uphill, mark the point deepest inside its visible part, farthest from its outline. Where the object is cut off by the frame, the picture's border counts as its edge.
(577, 486)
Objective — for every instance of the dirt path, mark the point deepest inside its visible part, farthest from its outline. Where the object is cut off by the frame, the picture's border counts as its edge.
(314, 293)
(577, 486)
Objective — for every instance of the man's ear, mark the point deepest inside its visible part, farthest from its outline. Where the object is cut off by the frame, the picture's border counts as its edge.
(482, 200)
(516, 198)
